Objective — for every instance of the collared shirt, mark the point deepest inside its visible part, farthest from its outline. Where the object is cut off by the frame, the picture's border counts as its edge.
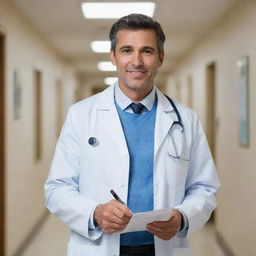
(124, 102)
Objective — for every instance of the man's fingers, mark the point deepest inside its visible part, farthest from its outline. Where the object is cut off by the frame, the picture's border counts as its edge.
(113, 227)
(164, 234)
(158, 228)
(112, 216)
(121, 213)
(116, 226)
(124, 211)
(118, 220)
(164, 229)
(161, 223)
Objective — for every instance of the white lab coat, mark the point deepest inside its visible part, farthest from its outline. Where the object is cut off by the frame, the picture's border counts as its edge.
(82, 175)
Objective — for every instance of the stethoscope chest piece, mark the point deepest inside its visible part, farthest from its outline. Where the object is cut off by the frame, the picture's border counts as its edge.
(93, 141)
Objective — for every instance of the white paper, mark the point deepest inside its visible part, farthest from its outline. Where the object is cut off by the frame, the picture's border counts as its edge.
(140, 220)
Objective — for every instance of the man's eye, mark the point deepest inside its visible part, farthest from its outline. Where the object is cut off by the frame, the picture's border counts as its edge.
(126, 50)
(148, 51)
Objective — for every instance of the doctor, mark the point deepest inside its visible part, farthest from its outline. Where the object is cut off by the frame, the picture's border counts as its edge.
(131, 138)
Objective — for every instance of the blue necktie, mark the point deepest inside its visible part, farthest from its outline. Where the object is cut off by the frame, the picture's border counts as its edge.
(137, 108)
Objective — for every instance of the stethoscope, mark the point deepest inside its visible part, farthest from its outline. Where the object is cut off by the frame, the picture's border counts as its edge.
(177, 128)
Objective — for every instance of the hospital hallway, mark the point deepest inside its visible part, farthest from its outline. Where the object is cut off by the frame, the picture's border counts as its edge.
(203, 242)
(56, 53)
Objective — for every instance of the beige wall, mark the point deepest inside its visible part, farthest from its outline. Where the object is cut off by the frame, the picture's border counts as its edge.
(232, 38)
(26, 51)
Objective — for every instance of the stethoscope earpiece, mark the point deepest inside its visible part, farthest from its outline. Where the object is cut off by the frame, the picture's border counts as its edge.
(92, 141)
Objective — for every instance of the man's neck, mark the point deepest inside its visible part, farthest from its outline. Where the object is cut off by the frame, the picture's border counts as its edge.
(136, 95)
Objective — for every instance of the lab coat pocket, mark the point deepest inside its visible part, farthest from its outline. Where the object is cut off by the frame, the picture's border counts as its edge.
(176, 171)
(176, 168)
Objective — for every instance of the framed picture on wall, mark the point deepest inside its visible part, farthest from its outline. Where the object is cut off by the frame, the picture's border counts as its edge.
(16, 95)
(243, 100)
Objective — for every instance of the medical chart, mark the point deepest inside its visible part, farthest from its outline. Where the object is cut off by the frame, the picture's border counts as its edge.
(139, 221)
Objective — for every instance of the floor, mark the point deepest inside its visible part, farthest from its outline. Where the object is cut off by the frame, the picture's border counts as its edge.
(53, 236)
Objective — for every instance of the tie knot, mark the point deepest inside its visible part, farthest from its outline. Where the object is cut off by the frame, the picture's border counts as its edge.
(137, 108)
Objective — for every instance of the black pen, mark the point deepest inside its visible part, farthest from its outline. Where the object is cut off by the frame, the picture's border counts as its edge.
(116, 196)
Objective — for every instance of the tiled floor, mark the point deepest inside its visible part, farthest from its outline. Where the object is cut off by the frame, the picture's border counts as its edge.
(53, 236)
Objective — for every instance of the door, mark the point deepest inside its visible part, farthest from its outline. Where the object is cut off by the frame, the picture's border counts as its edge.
(210, 111)
(210, 106)
(2, 146)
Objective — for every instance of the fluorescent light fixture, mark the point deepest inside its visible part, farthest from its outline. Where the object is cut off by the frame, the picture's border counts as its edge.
(110, 80)
(116, 10)
(106, 66)
(100, 46)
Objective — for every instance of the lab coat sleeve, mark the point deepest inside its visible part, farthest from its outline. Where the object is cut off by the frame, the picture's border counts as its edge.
(202, 181)
(63, 198)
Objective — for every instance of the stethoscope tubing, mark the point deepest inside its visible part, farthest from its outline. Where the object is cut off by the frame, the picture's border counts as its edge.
(179, 121)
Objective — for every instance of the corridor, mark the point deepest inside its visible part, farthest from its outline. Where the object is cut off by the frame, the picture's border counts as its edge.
(53, 55)
(53, 237)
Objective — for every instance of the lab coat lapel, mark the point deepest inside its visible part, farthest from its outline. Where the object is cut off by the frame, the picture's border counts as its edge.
(164, 120)
(109, 118)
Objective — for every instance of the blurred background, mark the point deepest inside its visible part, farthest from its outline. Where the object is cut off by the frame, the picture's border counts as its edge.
(49, 60)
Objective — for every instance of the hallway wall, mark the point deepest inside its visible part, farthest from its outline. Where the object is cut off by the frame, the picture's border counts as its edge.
(232, 38)
(26, 51)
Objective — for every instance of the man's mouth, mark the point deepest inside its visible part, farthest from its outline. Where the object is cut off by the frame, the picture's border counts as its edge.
(136, 71)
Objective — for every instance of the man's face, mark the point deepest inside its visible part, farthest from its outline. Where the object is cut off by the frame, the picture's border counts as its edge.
(137, 60)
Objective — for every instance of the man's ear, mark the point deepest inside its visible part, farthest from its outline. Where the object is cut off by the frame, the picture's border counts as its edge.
(161, 58)
(112, 57)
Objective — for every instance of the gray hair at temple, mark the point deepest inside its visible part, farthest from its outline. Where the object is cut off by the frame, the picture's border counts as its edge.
(136, 22)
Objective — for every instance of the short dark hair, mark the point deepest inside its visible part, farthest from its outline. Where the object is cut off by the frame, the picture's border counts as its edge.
(135, 22)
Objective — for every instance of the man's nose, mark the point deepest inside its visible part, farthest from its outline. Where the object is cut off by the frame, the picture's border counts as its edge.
(137, 59)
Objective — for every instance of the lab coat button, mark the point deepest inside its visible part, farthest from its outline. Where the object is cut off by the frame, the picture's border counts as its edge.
(122, 186)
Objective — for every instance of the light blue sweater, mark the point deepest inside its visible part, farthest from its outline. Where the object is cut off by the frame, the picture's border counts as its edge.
(139, 133)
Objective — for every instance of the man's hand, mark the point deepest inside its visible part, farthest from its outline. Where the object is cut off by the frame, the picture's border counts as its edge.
(112, 217)
(166, 229)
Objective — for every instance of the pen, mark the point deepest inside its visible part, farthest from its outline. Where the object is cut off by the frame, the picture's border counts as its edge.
(116, 196)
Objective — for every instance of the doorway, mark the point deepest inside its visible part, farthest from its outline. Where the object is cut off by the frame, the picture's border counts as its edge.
(59, 107)
(190, 92)
(38, 114)
(210, 106)
(2, 146)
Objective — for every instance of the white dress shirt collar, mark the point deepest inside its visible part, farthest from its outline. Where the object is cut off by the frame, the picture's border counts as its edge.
(123, 101)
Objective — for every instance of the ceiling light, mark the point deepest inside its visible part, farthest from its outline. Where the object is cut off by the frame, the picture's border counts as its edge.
(116, 10)
(106, 66)
(100, 46)
(110, 80)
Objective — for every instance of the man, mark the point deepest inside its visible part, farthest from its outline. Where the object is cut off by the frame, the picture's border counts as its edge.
(133, 139)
